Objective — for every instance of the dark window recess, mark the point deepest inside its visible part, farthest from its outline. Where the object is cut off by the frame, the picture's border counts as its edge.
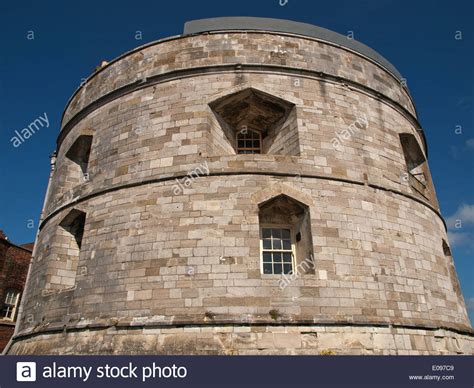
(251, 120)
(415, 163)
(80, 151)
(446, 249)
(74, 223)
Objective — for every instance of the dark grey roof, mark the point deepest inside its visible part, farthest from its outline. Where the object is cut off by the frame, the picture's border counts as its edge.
(289, 26)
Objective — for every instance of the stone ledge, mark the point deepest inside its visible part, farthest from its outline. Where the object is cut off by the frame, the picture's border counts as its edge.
(7, 322)
(239, 340)
(159, 322)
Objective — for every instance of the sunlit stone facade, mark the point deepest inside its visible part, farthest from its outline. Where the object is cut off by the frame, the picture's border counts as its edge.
(162, 235)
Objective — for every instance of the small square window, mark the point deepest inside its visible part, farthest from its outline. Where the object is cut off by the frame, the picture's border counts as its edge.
(248, 142)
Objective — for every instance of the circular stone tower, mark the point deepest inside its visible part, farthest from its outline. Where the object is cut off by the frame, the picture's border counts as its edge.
(253, 186)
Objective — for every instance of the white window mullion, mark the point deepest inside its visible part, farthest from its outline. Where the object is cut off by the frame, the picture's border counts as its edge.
(10, 304)
(277, 250)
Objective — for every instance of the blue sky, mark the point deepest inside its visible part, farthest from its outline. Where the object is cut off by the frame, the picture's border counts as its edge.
(419, 37)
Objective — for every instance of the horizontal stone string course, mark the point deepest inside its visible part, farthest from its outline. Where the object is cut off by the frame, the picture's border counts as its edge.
(195, 72)
(248, 340)
(177, 177)
(295, 51)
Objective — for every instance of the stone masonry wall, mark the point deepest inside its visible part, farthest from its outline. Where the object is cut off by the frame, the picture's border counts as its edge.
(171, 267)
(264, 48)
(141, 136)
(378, 257)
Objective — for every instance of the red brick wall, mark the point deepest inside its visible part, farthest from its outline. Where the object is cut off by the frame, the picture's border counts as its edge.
(14, 262)
(6, 331)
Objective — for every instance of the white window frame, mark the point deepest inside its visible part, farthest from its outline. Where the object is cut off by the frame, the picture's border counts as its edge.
(293, 246)
(11, 307)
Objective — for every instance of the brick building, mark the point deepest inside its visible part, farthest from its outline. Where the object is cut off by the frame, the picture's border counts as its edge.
(14, 262)
(253, 186)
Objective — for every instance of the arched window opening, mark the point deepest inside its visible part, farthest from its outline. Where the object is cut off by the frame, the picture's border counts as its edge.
(79, 153)
(446, 249)
(66, 250)
(451, 270)
(254, 122)
(286, 245)
(74, 224)
(417, 174)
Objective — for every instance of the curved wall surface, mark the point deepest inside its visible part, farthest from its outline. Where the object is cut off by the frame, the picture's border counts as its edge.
(151, 239)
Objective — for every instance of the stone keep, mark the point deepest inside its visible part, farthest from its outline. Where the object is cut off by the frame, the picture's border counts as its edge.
(181, 162)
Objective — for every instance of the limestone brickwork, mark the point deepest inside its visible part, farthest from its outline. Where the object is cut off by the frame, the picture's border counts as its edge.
(168, 261)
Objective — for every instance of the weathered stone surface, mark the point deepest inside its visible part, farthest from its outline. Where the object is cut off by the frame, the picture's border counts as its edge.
(232, 341)
(170, 256)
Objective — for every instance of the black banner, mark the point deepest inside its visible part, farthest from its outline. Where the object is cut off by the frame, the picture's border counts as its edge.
(241, 371)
